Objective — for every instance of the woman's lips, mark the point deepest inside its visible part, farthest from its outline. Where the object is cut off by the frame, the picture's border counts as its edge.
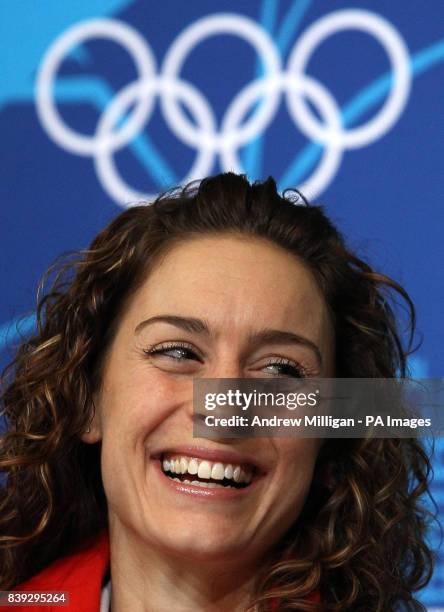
(209, 472)
(204, 492)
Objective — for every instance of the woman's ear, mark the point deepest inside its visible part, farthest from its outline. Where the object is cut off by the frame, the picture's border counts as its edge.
(93, 432)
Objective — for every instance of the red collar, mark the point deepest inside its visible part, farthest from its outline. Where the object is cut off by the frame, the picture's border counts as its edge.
(82, 574)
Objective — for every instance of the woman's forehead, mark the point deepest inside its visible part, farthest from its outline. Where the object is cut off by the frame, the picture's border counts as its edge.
(231, 280)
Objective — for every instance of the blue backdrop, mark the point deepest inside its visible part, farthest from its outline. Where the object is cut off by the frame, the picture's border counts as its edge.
(104, 101)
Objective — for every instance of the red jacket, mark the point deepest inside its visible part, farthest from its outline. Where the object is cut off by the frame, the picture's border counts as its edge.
(81, 574)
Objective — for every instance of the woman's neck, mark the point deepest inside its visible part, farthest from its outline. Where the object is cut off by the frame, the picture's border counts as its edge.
(147, 579)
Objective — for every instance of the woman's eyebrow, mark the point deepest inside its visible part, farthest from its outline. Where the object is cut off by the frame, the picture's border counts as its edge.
(277, 336)
(189, 324)
(269, 336)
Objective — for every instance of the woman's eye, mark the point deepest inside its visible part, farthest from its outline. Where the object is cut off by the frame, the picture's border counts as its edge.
(286, 368)
(177, 352)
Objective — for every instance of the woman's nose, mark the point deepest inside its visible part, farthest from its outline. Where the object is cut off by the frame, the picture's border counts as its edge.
(220, 369)
(225, 368)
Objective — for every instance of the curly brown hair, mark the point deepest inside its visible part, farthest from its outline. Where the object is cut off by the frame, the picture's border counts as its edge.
(361, 537)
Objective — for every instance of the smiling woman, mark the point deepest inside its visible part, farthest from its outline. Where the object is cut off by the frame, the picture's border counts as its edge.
(107, 487)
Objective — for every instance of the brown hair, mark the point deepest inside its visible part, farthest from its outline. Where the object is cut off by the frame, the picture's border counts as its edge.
(360, 538)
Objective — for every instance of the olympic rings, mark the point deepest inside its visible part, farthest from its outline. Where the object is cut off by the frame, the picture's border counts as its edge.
(190, 37)
(104, 163)
(261, 97)
(398, 54)
(323, 101)
(143, 57)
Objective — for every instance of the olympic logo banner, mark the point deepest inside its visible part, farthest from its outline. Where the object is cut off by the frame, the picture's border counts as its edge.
(209, 140)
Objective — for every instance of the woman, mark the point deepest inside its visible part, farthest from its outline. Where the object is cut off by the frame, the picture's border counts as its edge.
(222, 280)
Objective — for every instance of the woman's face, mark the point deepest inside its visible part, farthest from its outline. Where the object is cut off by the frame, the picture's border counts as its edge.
(203, 312)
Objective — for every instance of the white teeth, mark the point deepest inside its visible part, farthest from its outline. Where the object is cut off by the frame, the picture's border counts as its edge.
(204, 470)
(183, 465)
(218, 472)
(198, 483)
(229, 471)
(193, 466)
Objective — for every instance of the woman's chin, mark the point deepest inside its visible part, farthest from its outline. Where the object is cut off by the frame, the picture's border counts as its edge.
(199, 541)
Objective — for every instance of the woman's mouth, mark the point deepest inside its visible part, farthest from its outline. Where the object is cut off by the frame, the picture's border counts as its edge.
(204, 473)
